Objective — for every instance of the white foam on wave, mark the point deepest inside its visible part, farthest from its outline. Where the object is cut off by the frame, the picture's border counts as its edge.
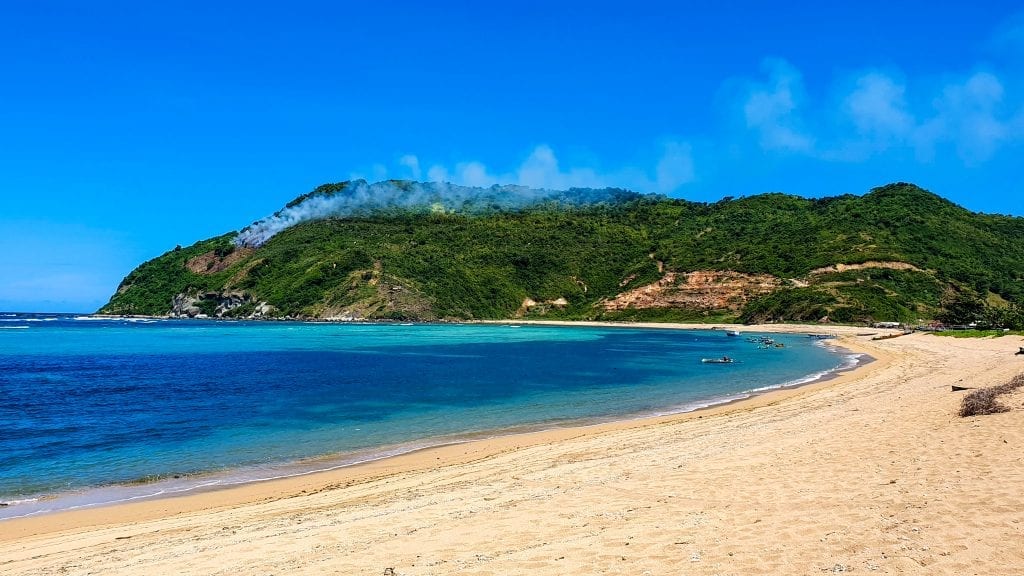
(698, 405)
(850, 361)
(13, 327)
(16, 502)
(120, 494)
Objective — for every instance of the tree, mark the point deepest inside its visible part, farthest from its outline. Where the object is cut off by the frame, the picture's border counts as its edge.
(962, 309)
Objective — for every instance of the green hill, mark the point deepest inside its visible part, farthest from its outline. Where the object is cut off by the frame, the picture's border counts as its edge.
(896, 253)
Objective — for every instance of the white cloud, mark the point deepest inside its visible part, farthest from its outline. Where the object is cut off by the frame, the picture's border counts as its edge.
(438, 173)
(878, 108)
(542, 169)
(474, 174)
(965, 116)
(412, 163)
(539, 169)
(674, 168)
(771, 109)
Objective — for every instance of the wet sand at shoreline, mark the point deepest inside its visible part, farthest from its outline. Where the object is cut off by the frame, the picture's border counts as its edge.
(871, 471)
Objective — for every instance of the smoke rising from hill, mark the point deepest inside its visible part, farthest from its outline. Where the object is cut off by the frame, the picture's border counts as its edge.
(358, 198)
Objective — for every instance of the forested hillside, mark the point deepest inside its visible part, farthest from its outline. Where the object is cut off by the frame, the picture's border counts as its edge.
(896, 253)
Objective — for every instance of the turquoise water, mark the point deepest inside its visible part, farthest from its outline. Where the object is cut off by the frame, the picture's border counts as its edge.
(98, 410)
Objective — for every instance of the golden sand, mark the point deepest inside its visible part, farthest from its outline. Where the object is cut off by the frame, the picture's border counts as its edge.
(871, 472)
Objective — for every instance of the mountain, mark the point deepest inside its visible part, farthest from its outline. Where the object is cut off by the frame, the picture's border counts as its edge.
(403, 250)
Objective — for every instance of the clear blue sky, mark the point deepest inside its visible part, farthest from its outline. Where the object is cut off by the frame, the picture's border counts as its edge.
(128, 127)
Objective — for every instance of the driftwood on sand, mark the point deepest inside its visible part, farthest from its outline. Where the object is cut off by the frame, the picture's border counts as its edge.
(986, 400)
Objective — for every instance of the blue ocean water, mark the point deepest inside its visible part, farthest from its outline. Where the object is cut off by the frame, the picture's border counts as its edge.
(157, 406)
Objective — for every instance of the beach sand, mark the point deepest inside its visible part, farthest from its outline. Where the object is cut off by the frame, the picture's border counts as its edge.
(870, 472)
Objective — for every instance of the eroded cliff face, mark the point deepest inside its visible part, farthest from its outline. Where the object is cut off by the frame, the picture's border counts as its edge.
(531, 306)
(698, 290)
(864, 266)
(212, 262)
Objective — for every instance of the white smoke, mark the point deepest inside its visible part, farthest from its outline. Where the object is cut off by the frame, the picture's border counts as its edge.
(357, 198)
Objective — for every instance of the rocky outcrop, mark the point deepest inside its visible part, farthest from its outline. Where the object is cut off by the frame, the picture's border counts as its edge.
(863, 266)
(216, 304)
(700, 290)
(184, 306)
(531, 306)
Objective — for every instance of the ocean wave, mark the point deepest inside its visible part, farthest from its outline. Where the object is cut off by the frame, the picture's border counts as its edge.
(18, 502)
(850, 361)
(698, 405)
(145, 489)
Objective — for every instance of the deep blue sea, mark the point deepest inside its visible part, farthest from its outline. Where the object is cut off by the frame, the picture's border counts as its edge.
(96, 410)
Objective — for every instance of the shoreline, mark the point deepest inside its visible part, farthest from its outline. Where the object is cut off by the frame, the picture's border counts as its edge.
(871, 471)
(529, 435)
(177, 486)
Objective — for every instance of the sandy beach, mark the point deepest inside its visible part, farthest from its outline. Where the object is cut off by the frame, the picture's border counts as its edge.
(869, 472)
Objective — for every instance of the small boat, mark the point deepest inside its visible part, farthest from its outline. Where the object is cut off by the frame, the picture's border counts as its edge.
(722, 360)
(732, 332)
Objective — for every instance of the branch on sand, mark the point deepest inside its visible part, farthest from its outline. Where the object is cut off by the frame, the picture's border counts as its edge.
(985, 400)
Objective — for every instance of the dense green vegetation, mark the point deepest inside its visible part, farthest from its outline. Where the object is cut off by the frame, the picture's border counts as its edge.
(149, 288)
(950, 264)
(855, 296)
(979, 333)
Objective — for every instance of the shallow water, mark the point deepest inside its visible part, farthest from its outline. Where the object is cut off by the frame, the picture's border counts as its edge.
(95, 410)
